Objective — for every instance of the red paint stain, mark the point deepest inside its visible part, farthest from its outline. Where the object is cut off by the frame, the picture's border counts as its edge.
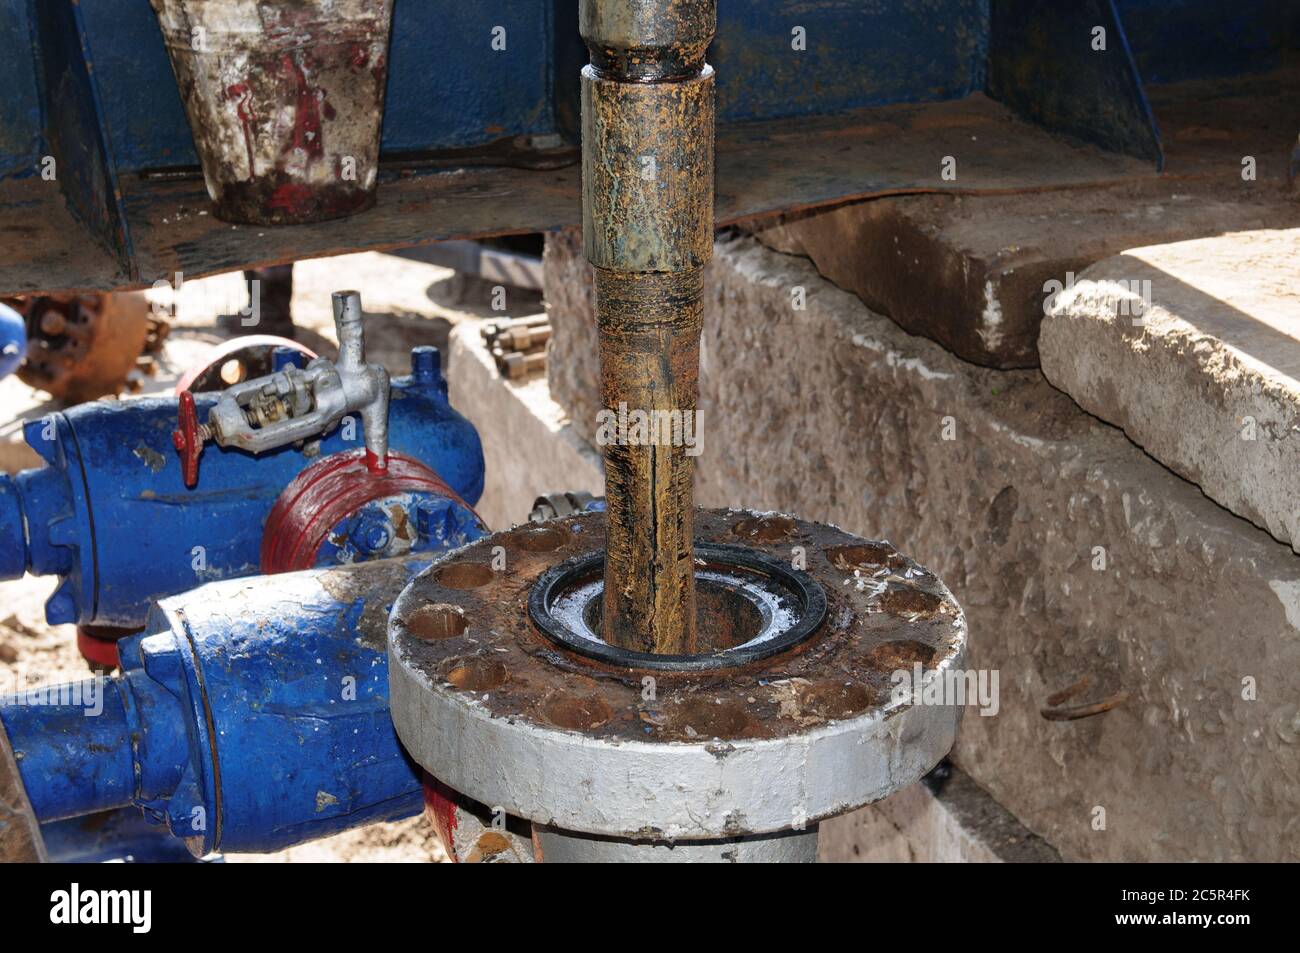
(243, 99)
(307, 114)
(441, 813)
(293, 197)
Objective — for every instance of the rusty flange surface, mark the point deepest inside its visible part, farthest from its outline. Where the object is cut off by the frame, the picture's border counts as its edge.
(498, 711)
(80, 347)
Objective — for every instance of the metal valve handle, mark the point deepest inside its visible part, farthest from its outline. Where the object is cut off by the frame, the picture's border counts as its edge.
(296, 404)
(188, 438)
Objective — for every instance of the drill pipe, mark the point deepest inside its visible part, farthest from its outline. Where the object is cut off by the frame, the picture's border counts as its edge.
(647, 131)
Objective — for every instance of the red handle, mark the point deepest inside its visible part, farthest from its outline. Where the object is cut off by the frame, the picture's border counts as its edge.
(186, 438)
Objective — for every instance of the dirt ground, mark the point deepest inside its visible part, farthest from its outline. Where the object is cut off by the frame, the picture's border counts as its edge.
(407, 304)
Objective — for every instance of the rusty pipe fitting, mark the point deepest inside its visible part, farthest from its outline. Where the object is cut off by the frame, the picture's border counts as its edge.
(648, 144)
(648, 40)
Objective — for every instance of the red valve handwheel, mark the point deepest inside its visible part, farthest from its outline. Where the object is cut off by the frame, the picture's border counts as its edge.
(186, 438)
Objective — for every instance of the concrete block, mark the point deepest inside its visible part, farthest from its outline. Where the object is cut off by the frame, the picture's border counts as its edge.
(1193, 348)
(528, 446)
(1081, 562)
(569, 292)
(944, 818)
(973, 272)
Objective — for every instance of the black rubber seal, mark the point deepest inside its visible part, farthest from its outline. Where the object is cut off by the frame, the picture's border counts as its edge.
(807, 592)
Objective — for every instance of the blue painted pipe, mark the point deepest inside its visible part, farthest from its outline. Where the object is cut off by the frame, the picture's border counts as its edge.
(121, 836)
(111, 515)
(13, 340)
(76, 754)
(250, 715)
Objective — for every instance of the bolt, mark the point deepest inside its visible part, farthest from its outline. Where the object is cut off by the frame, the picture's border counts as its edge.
(282, 357)
(161, 661)
(430, 519)
(426, 366)
(372, 533)
(53, 323)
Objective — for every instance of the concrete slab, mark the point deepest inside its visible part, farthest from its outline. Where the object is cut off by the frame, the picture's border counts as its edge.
(1193, 348)
(569, 293)
(944, 818)
(973, 272)
(529, 447)
(1081, 562)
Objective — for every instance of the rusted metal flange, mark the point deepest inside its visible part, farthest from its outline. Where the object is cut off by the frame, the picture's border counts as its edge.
(496, 709)
(337, 510)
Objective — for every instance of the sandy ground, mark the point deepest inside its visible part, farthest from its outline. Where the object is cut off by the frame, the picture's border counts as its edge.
(403, 303)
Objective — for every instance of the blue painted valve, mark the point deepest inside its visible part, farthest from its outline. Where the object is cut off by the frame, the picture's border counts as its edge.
(250, 715)
(110, 512)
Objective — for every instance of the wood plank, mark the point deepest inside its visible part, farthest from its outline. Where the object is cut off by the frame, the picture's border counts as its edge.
(764, 168)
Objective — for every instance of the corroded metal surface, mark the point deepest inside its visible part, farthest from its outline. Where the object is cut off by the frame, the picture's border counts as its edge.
(649, 332)
(647, 169)
(647, 40)
(763, 168)
(285, 101)
(495, 710)
(647, 130)
(80, 347)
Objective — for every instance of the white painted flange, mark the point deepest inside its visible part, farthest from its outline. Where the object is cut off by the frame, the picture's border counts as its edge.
(618, 781)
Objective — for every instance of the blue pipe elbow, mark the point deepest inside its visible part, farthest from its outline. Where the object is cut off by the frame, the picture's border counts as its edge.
(13, 340)
(13, 534)
(73, 747)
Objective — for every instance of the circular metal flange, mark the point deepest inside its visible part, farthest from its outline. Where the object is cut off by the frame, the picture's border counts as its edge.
(788, 605)
(495, 709)
(321, 518)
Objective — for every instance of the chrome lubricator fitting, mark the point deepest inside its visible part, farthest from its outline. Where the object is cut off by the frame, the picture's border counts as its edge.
(503, 689)
(297, 404)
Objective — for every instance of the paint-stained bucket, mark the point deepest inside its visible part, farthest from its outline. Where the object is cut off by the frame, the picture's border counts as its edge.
(285, 100)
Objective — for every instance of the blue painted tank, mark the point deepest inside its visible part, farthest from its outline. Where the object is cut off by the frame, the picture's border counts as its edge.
(110, 512)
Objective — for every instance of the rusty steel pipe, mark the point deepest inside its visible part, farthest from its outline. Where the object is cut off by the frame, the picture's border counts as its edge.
(647, 130)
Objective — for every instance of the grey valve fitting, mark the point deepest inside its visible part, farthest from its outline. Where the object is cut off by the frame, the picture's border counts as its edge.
(295, 404)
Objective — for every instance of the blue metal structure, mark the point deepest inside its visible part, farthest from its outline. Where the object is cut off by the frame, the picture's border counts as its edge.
(13, 340)
(1090, 88)
(89, 83)
(249, 716)
(119, 836)
(111, 515)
